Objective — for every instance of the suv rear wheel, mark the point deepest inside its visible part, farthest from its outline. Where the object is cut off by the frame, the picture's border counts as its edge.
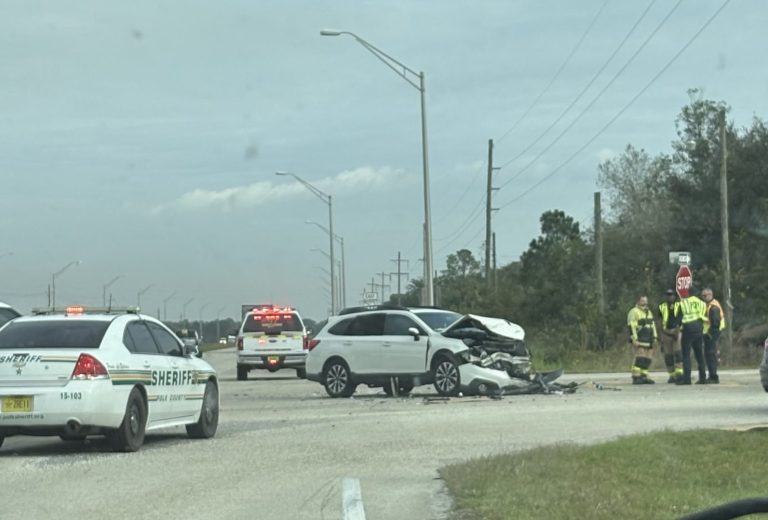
(336, 379)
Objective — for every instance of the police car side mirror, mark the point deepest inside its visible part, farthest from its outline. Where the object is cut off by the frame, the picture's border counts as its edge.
(413, 331)
(189, 350)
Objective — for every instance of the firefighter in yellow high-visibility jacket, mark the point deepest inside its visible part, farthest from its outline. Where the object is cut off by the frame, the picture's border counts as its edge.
(670, 317)
(642, 335)
(714, 323)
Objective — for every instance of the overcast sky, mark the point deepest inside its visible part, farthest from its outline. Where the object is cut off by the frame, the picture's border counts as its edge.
(142, 137)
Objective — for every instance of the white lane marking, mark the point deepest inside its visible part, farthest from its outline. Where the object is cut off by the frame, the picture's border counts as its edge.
(352, 499)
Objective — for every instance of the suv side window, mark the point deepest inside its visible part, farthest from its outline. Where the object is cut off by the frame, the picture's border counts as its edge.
(367, 325)
(165, 340)
(398, 325)
(340, 328)
(138, 339)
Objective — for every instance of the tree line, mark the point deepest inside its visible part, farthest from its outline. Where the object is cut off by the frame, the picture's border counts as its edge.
(656, 204)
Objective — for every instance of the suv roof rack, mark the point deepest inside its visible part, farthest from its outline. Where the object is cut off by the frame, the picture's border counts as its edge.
(367, 308)
(81, 309)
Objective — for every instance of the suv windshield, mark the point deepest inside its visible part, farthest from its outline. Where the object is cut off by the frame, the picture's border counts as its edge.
(272, 323)
(437, 320)
(53, 334)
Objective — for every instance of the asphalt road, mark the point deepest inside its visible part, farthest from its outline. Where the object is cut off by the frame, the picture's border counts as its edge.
(283, 447)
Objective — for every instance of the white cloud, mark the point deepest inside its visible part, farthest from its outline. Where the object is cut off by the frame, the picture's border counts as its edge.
(267, 192)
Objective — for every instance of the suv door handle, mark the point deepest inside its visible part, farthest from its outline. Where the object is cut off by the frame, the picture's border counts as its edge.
(347, 343)
(386, 344)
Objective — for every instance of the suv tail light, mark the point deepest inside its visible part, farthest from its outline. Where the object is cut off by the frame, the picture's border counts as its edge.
(312, 343)
(239, 343)
(88, 367)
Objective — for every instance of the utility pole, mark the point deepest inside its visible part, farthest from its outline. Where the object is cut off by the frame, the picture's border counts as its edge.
(488, 210)
(599, 268)
(399, 274)
(495, 272)
(726, 236)
(382, 285)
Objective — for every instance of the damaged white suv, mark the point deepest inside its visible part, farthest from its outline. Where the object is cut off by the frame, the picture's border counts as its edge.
(397, 349)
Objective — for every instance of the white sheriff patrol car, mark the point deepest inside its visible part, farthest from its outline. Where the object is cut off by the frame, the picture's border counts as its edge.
(77, 372)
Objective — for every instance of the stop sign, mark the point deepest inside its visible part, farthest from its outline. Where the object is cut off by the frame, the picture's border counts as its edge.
(683, 281)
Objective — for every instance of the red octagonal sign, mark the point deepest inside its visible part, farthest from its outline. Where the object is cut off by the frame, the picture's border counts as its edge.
(683, 281)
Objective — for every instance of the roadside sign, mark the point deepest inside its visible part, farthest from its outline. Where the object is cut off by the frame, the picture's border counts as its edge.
(683, 281)
(679, 257)
(370, 297)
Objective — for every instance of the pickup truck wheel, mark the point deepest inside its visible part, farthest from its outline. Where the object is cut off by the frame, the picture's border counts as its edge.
(242, 373)
(336, 379)
(446, 376)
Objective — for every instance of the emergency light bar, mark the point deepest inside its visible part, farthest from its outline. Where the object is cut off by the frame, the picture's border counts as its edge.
(272, 309)
(74, 310)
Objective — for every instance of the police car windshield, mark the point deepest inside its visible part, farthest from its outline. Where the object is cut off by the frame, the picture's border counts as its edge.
(272, 323)
(7, 315)
(438, 320)
(53, 334)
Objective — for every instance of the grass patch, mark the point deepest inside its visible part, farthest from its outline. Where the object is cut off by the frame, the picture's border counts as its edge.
(207, 347)
(661, 475)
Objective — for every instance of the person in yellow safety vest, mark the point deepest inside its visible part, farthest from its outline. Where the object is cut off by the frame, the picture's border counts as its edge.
(670, 316)
(642, 335)
(714, 323)
(694, 312)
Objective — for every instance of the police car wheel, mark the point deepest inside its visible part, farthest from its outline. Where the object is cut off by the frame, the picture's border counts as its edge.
(242, 373)
(1, 440)
(206, 425)
(129, 436)
(301, 373)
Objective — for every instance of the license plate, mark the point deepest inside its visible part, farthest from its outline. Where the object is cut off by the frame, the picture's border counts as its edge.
(273, 360)
(17, 403)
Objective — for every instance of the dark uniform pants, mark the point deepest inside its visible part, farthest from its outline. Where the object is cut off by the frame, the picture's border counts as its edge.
(710, 352)
(693, 339)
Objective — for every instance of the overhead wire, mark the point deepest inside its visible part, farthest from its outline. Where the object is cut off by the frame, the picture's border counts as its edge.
(624, 108)
(598, 96)
(586, 87)
(557, 74)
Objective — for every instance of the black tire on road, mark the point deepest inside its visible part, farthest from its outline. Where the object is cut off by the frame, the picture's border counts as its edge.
(301, 373)
(206, 425)
(1, 440)
(242, 373)
(129, 436)
(446, 376)
(336, 379)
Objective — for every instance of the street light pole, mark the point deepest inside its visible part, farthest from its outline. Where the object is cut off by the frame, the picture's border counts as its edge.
(138, 295)
(165, 304)
(53, 280)
(403, 71)
(343, 279)
(218, 323)
(327, 199)
(184, 309)
(201, 319)
(104, 290)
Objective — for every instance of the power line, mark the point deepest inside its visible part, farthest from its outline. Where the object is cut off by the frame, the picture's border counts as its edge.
(586, 87)
(469, 187)
(557, 74)
(471, 215)
(625, 108)
(598, 96)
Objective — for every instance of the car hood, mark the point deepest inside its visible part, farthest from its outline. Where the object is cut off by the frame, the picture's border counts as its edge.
(495, 327)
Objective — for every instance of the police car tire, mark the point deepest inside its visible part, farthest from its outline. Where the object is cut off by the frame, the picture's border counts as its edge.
(301, 373)
(242, 373)
(129, 436)
(206, 425)
(1, 440)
